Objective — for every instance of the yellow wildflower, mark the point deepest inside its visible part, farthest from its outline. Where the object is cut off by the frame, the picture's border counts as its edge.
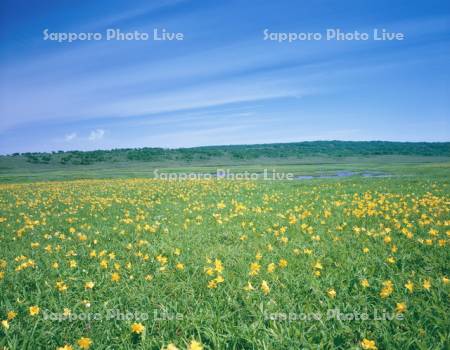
(410, 286)
(137, 328)
(34, 310)
(283, 263)
(11, 315)
(367, 344)
(65, 347)
(84, 343)
(365, 283)
(195, 345)
(331, 293)
(400, 308)
(265, 287)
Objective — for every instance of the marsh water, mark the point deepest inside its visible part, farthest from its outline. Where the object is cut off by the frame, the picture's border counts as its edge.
(343, 173)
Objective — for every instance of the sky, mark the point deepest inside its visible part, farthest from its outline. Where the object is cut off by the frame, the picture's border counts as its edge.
(226, 82)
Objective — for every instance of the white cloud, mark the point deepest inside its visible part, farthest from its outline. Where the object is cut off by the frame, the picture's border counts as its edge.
(70, 137)
(96, 134)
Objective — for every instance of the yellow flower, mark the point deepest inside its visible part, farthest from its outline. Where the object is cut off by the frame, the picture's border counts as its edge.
(221, 205)
(400, 308)
(249, 287)
(67, 312)
(433, 232)
(5, 324)
(410, 286)
(65, 347)
(426, 284)
(254, 269)
(61, 286)
(209, 271)
(390, 260)
(318, 265)
(212, 284)
(365, 250)
(218, 266)
(445, 280)
(89, 285)
(34, 310)
(365, 283)
(180, 266)
(195, 345)
(115, 277)
(387, 289)
(171, 347)
(283, 263)
(11, 315)
(271, 267)
(219, 279)
(368, 344)
(137, 328)
(265, 287)
(331, 293)
(84, 343)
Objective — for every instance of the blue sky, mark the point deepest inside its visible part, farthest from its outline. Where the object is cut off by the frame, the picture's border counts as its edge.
(222, 84)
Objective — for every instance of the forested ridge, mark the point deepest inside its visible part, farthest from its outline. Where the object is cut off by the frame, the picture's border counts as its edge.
(243, 152)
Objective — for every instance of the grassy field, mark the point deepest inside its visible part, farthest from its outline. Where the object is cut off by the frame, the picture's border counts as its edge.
(17, 170)
(300, 158)
(351, 263)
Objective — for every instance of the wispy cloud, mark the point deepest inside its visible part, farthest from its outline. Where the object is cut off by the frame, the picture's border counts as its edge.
(116, 18)
(70, 137)
(96, 135)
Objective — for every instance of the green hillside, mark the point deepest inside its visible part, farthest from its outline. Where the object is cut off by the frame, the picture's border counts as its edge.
(299, 150)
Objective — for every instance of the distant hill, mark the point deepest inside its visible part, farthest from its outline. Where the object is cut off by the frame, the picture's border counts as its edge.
(241, 152)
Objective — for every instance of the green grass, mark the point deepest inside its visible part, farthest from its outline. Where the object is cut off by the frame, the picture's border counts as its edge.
(141, 219)
(18, 170)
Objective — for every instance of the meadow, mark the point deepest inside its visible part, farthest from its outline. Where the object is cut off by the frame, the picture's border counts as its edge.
(355, 263)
